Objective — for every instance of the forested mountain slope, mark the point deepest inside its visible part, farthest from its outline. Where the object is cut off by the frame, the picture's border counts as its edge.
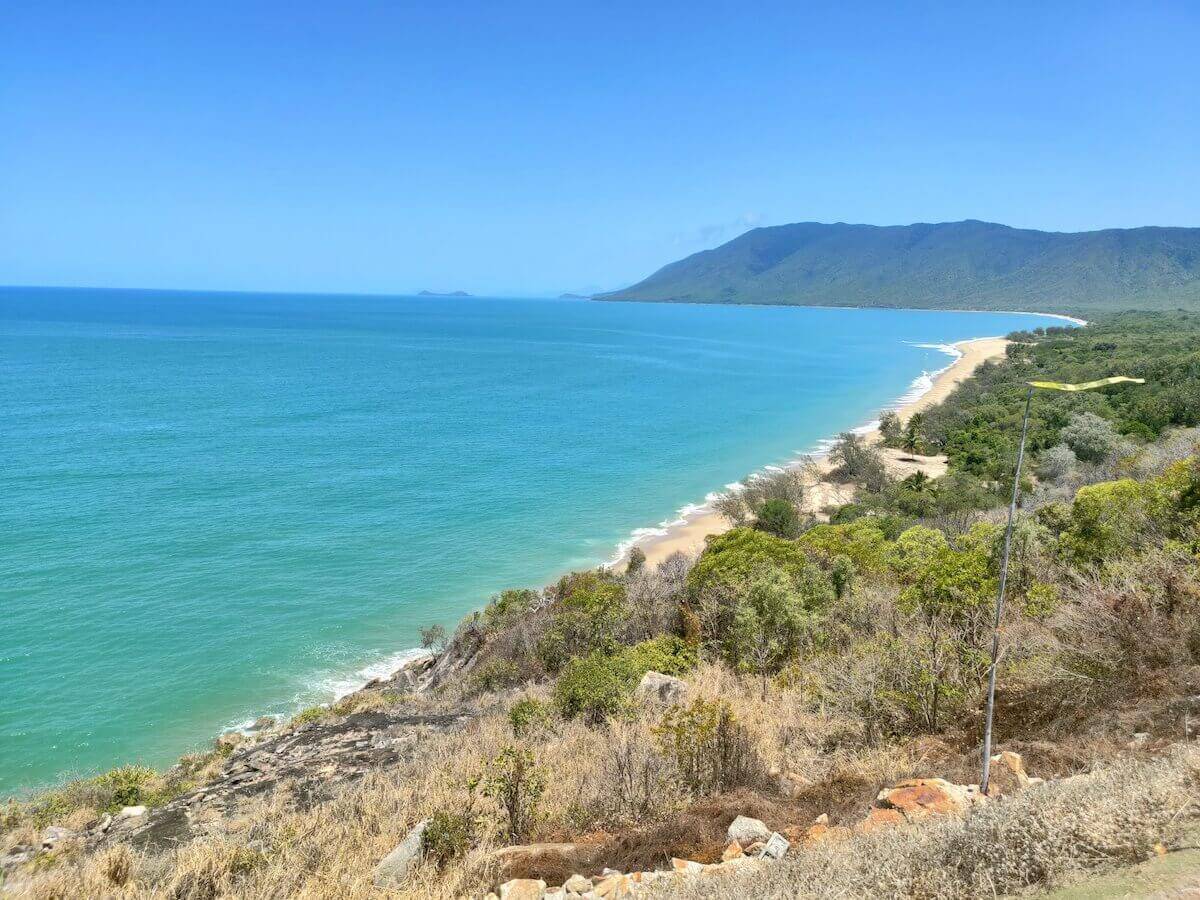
(952, 265)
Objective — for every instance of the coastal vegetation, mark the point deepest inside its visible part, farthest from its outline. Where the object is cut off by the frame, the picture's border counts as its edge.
(949, 265)
(790, 670)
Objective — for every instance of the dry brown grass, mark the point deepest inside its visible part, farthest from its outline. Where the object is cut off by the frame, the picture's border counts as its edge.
(601, 782)
(1040, 837)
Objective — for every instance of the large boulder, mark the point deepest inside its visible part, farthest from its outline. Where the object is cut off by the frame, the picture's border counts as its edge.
(660, 689)
(746, 831)
(1008, 775)
(920, 798)
(394, 868)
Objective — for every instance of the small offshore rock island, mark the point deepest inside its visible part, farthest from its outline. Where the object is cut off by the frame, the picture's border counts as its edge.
(632, 729)
(802, 504)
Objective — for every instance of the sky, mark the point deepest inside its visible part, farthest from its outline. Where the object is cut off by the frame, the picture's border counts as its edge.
(521, 149)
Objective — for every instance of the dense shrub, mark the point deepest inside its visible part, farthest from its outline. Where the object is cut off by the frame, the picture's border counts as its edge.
(527, 717)
(514, 780)
(778, 517)
(732, 558)
(710, 749)
(448, 835)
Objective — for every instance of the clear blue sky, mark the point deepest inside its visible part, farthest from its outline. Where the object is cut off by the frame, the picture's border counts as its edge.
(516, 148)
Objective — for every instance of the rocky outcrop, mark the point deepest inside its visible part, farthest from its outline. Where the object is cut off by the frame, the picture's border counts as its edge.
(313, 761)
(394, 868)
(658, 689)
(917, 799)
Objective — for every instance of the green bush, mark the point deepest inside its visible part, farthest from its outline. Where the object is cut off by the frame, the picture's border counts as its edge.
(514, 780)
(528, 716)
(732, 558)
(312, 714)
(448, 836)
(710, 749)
(666, 653)
(594, 686)
(127, 786)
(862, 541)
(508, 607)
(778, 517)
(494, 675)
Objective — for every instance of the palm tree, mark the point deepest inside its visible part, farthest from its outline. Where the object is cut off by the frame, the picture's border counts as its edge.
(911, 442)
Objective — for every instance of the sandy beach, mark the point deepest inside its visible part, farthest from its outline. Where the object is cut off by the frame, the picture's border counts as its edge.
(687, 536)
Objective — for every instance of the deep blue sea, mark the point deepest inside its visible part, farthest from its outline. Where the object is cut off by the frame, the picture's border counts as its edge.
(218, 506)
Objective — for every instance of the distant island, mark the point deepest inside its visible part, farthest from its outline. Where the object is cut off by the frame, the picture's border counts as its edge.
(439, 294)
(952, 265)
(569, 296)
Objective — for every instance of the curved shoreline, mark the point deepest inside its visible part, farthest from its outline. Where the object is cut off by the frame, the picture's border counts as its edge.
(687, 533)
(695, 522)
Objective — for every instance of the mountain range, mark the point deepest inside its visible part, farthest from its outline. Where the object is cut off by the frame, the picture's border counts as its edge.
(949, 265)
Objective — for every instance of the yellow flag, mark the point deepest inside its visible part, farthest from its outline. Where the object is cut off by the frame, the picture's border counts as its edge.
(1086, 386)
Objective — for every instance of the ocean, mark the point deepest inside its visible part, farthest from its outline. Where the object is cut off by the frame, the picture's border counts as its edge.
(220, 506)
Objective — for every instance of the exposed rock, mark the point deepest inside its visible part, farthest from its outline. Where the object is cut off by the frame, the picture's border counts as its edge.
(657, 688)
(733, 851)
(919, 798)
(819, 830)
(614, 887)
(880, 817)
(523, 889)
(16, 856)
(686, 866)
(229, 740)
(130, 812)
(792, 785)
(644, 877)
(1007, 774)
(55, 836)
(776, 847)
(577, 884)
(746, 831)
(394, 868)
(313, 762)
(262, 723)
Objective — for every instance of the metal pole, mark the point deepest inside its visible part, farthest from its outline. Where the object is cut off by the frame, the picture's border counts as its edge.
(1012, 512)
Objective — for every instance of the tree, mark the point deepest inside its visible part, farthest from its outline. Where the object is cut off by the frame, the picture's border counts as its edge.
(434, 638)
(841, 574)
(853, 460)
(890, 428)
(912, 440)
(1092, 438)
(949, 591)
(918, 482)
(637, 560)
(778, 517)
(1057, 463)
(735, 557)
(514, 780)
(768, 624)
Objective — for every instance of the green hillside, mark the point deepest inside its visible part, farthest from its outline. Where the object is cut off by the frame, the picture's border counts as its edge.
(957, 265)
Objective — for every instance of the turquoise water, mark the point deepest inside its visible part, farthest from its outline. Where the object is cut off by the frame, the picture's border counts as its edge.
(214, 507)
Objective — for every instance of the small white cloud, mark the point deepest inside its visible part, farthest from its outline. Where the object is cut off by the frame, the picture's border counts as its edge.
(711, 235)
